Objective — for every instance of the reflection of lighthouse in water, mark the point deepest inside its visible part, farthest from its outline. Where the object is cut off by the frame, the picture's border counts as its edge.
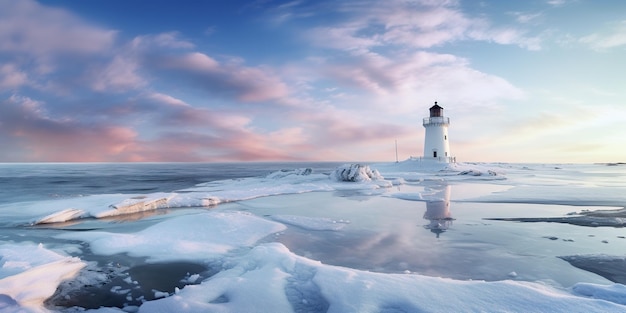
(438, 212)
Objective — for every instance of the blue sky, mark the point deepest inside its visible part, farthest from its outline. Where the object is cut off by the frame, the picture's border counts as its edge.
(116, 81)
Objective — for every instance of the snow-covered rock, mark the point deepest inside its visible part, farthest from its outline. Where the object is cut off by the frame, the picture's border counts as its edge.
(355, 173)
(473, 172)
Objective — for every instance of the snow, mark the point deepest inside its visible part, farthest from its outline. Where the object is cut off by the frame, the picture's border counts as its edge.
(614, 293)
(31, 273)
(210, 194)
(61, 216)
(256, 274)
(273, 278)
(188, 237)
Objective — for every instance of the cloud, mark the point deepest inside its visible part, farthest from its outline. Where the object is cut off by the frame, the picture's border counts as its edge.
(330, 133)
(244, 83)
(30, 28)
(524, 18)
(48, 48)
(11, 77)
(42, 137)
(172, 40)
(415, 24)
(400, 79)
(121, 74)
(616, 37)
(175, 112)
(556, 3)
(36, 135)
(381, 74)
(197, 146)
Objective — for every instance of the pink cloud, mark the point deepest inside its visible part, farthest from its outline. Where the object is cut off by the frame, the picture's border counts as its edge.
(11, 77)
(42, 137)
(193, 146)
(119, 75)
(248, 84)
(174, 111)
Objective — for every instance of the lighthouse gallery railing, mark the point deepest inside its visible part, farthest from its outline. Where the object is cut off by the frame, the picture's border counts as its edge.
(437, 120)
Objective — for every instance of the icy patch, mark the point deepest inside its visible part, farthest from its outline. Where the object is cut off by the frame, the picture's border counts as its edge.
(189, 237)
(311, 223)
(30, 273)
(355, 173)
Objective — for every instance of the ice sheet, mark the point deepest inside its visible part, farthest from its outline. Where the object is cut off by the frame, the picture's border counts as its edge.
(189, 237)
(31, 273)
(271, 277)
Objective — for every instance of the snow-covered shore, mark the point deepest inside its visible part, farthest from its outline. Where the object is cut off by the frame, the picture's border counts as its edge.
(255, 273)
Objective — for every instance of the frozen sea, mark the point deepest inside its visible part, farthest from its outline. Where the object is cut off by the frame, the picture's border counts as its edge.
(411, 236)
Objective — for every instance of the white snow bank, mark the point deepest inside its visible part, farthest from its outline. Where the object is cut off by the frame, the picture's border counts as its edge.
(272, 279)
(189, 237)
(61, 216)
(613, 293)
(138, 204)
(29, 274)
(415, 169)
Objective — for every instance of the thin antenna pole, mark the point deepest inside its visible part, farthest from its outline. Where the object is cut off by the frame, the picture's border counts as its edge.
(396, 150)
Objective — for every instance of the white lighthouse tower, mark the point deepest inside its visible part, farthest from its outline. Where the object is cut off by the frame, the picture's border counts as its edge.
(436, 142)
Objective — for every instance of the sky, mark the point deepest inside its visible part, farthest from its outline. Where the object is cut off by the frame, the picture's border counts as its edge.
(221, 81)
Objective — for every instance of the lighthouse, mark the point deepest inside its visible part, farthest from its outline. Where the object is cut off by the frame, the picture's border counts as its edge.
(436, 141)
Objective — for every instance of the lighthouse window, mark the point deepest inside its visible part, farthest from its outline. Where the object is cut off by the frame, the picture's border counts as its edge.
(434, 154)
(445, 137)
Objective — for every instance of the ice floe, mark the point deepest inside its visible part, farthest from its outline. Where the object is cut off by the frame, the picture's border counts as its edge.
(30, 273)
